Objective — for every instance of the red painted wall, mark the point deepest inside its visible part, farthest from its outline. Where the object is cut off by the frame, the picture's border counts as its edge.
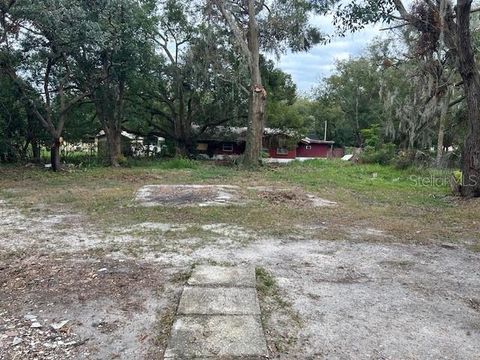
(216, 148)
(317, 150)
(292, 154)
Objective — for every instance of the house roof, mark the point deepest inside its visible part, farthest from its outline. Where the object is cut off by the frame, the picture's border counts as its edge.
(308, 141)
(232, 133)
(221, 133)
(129, 136)
(124, 134)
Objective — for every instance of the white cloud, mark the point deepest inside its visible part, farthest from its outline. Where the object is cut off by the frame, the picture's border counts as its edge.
(307, 69)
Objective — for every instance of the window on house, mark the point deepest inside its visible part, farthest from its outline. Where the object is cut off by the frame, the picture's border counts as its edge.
(227, 147)
(308, 147)
(282, 151)
(202, 146)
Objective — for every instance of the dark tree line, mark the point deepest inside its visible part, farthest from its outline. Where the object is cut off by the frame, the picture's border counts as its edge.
(159, 67)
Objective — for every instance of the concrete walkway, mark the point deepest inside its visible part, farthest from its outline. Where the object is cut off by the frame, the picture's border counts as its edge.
(218, 317)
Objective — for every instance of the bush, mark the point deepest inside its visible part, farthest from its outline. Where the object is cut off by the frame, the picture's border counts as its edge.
(452, 160)
(403, 160)
(382, 155)
(417, 158)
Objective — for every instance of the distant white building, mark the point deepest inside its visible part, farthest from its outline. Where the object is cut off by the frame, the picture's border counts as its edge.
(132, 145)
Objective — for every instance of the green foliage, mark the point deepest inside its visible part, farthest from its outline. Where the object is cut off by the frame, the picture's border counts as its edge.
(403, 160)
(279, 85)
(354, 15)
(19, 130)
(382, 154)
(371, 136)
(284, 25)
(458, 176)
(350, 100)
(280, 115)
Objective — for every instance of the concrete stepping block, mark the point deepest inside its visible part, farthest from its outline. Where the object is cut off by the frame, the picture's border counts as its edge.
(236, 336)
(218, 301)
(223, 276)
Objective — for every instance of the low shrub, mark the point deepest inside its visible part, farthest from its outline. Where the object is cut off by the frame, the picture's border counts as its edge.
(382, 154)
(415, 158)
(403, 160)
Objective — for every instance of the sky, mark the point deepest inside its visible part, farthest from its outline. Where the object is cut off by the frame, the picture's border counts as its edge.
(308, 69)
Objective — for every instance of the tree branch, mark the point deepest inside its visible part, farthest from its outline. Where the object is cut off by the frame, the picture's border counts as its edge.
(457, 101)
(237, 32)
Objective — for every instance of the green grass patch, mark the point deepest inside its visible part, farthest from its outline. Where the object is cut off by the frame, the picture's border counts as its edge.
(165, 164)
(370, 182)
(413, 205)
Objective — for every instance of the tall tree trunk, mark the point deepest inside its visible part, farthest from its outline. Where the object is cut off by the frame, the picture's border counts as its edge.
(109, 106)
(114, 146)
(183, 142)
(471, 82)
(256, 115)
(113, 132)
(258, 94)
(440, 140)
(35, 150)
(55, 154)
(183, 120)
(181, 149)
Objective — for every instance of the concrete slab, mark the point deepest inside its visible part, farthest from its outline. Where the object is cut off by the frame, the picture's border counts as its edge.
(188, 195)
(216, 336)
(218, 301)
(223, 276)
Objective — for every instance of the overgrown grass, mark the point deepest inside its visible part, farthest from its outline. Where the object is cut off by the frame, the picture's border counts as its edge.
(267, 286)
(273, 304)
(409, 205)
(370, 182)
(164, 164)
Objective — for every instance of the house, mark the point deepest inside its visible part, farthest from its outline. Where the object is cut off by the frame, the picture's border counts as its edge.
(312, 148)
(221, 142)
(281, 146)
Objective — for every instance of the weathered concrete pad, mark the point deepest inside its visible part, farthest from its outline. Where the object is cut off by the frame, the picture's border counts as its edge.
(236, 336)
(223, 276)
(188, 195)
(218, 301)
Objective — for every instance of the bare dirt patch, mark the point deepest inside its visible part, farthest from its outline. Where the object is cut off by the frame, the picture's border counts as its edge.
(83, 309)
(45, 228)
(291, 197)
(348, 281)
(350, 300)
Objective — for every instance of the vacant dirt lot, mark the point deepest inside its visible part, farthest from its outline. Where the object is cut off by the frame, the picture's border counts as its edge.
(77, 284)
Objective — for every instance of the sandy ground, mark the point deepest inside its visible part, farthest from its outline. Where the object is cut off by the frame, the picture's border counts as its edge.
(340, 299)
